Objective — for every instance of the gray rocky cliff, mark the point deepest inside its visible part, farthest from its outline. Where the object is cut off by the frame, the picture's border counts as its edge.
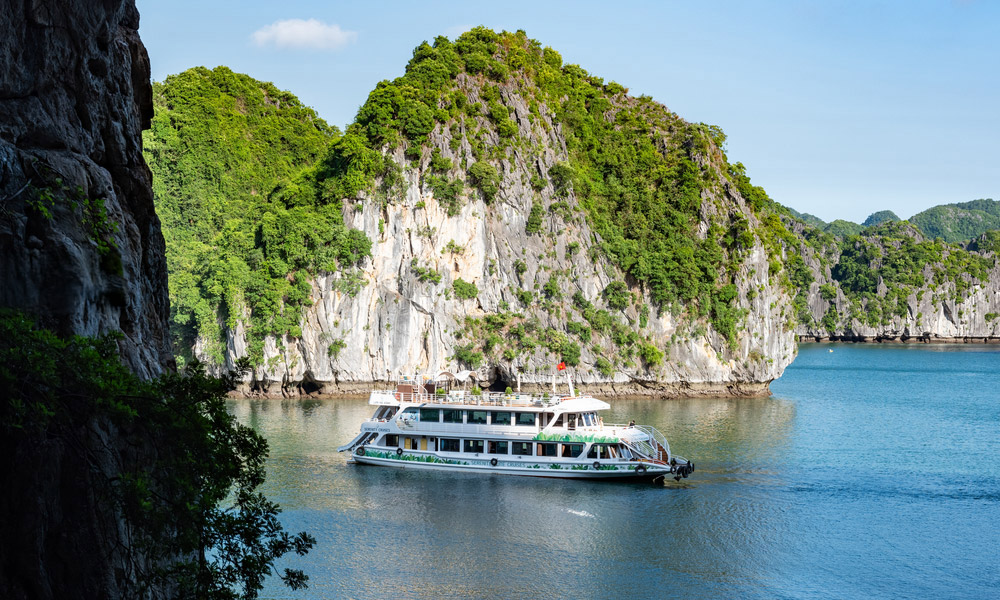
(80, 243)
(399, 324)
(81, 251)
(964, 308)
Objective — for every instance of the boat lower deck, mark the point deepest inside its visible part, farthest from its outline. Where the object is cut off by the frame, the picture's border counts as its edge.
(635, 469)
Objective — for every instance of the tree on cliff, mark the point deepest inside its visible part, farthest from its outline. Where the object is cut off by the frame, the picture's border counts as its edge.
(184, 482)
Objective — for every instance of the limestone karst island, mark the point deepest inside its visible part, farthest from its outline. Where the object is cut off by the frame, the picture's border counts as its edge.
(496, 209)
(201, 277)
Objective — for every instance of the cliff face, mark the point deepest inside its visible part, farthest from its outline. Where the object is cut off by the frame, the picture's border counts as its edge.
(943, 293)
(80, 244)
(81, 250)
(930, 316)
(406, 317)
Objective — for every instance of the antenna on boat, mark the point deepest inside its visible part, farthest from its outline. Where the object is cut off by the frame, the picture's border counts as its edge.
(569, 381)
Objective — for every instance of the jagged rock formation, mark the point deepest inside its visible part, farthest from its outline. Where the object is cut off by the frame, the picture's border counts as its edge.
(893, 285)
(397, 323)
(80, 244)
(81, 250)
(522, 234)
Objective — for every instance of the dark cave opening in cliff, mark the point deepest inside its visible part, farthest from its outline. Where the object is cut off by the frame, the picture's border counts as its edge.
(500, 384)
(309, 387)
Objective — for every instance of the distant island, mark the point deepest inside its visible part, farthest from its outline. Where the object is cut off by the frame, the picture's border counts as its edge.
(953, 223)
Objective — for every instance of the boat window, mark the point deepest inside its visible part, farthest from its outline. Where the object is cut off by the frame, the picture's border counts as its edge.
(477, 417)
(498, 447)
(474, 445)
(500, 418)
(548, 450)
(625, 452)
(572, 450)
(559, 421)
(431, 415)
(521, 448)
(386, 412)
(452, 416)
(526, 418)
(602, 451)
(449, 445)
(391, 440)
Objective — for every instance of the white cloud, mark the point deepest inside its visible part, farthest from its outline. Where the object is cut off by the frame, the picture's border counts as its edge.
(303, 34)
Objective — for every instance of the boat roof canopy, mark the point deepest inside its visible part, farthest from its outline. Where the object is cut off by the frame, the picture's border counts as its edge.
(461, 376)
(581, 404)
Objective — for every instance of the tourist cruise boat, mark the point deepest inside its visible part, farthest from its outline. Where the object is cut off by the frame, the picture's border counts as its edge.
(430, 425)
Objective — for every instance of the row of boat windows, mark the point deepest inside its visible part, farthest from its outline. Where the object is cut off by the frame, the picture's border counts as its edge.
(605, 451)
(494, 417)
(472, 417)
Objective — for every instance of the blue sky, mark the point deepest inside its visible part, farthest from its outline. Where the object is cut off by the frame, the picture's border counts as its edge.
(836, 108)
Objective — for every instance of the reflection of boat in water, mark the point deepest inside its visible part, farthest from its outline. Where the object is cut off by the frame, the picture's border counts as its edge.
(433, 426)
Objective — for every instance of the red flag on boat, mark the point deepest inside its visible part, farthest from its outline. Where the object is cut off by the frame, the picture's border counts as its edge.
(561, 366)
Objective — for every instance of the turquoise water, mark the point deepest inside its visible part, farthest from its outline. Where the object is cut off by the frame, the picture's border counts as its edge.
(872, 472)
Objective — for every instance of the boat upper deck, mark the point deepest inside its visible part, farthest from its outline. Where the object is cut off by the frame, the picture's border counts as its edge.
(462, 398)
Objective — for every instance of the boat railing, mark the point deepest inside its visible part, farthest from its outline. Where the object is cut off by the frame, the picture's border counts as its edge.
(649, 440)
(483, 399)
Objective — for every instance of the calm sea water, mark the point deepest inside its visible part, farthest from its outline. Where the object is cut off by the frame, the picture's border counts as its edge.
(872, 472)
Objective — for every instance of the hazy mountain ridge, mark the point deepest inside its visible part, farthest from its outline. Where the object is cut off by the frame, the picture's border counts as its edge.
(958, 222)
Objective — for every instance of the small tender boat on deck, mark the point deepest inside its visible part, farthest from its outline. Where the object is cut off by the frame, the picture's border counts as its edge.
(430, 425)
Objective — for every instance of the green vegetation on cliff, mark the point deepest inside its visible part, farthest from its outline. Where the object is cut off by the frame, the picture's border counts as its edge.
(637, 169)
(244, 221)
(252, 188)
(881, 270)
(181, 487)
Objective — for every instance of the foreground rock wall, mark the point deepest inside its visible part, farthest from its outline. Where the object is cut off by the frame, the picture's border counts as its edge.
(80, 249)
(80, 244)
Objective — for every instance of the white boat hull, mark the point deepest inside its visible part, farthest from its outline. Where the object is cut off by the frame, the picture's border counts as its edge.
(532, 435)
(634, 470)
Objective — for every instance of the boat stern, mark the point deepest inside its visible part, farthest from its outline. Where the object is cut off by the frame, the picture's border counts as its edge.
(681, 467)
